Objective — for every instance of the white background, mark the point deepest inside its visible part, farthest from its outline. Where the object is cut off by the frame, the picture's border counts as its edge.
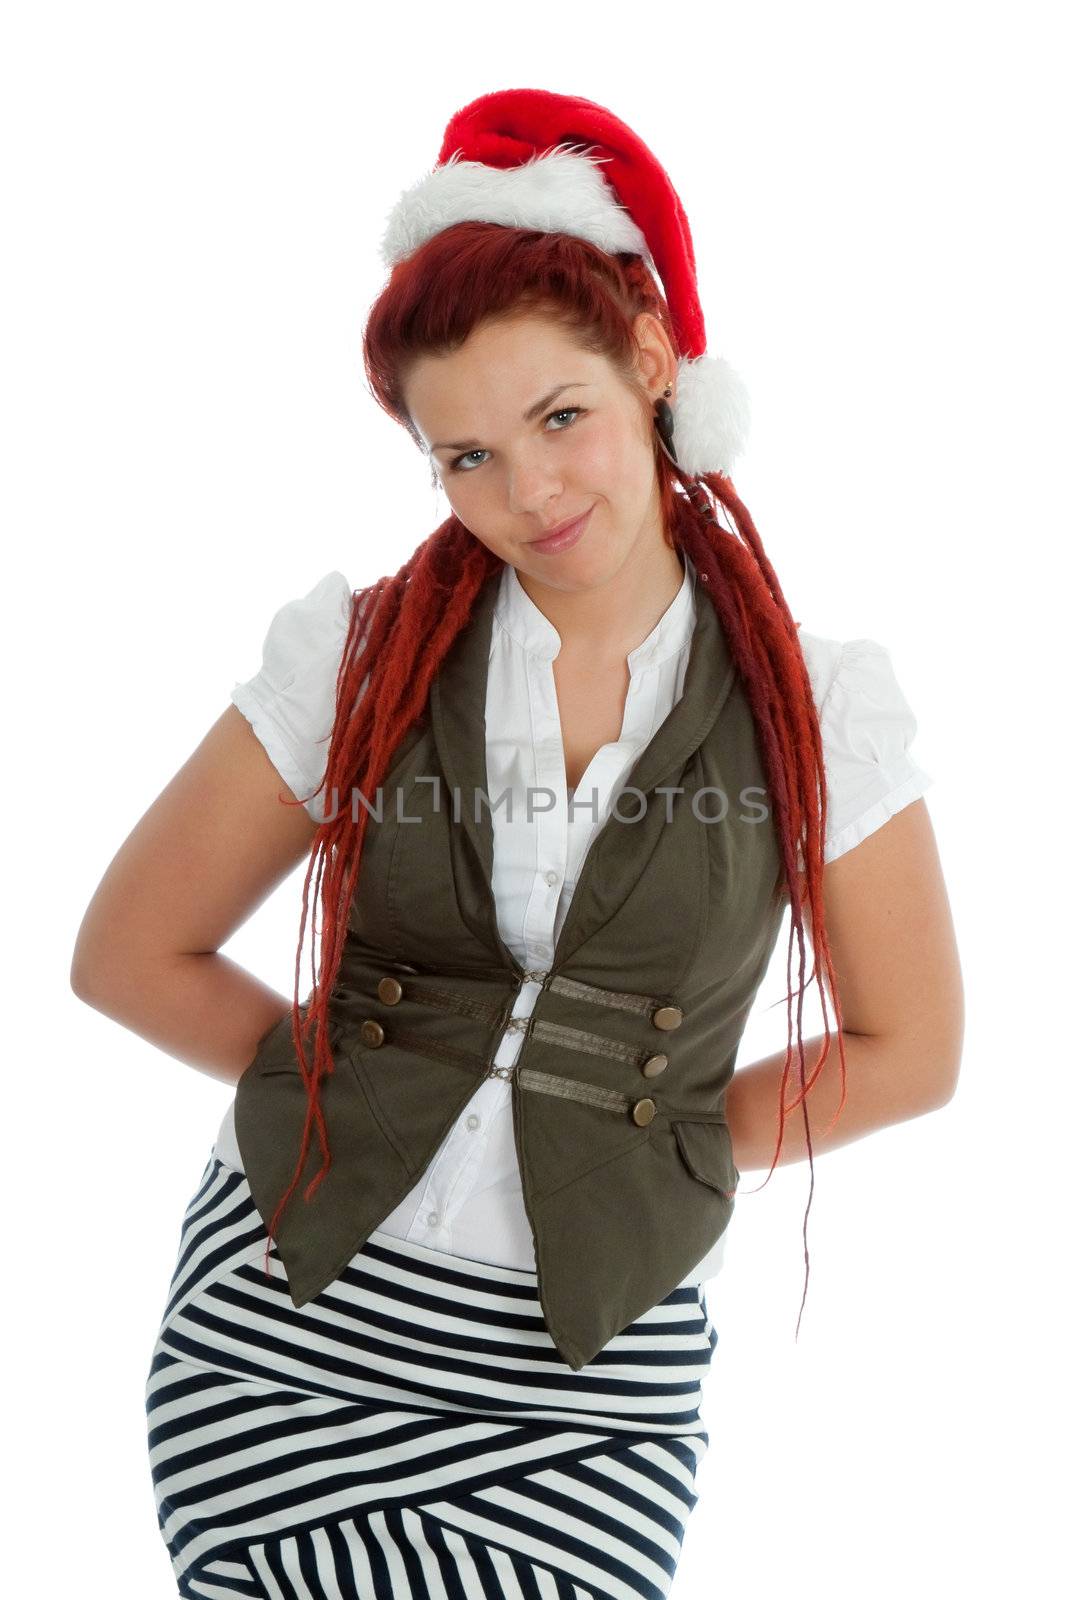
(192, 197)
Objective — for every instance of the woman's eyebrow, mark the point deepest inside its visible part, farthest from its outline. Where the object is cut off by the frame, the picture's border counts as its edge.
(527, 416)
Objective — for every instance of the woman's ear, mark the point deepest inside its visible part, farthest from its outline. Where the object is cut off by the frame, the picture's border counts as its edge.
(657, 361)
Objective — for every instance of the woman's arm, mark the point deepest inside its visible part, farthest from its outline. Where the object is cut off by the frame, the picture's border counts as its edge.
(207, 852)
(900, 987)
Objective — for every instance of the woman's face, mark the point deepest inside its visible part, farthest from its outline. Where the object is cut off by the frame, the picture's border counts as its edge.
(528, 430)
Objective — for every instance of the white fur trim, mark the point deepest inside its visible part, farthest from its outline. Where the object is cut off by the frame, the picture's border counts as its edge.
(711, 415)
(558, 192)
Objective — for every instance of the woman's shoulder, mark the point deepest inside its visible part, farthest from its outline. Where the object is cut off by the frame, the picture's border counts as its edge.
(307, 628)
(290, 700)
(828, 658)
(842, 671)
(868, 726)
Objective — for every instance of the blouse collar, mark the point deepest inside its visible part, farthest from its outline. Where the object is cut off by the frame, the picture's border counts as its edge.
(531, 629)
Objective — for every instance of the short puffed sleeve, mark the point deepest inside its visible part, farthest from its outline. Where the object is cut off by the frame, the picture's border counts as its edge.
(290, 702)
(867, 729)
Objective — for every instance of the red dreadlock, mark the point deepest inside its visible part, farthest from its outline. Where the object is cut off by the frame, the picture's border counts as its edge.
(406, 624)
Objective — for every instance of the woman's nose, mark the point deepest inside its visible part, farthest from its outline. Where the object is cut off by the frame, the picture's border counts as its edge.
(532, 488)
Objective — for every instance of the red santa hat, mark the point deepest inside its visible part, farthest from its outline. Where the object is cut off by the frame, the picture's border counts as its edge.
(527, 158)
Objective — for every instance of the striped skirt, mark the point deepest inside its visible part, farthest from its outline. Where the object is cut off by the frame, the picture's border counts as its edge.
(411, 1431)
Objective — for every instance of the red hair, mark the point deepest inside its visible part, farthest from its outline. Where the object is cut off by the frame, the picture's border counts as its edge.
(407, 623)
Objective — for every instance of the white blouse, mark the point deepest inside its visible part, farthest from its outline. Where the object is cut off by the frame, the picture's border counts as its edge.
(469, 1201)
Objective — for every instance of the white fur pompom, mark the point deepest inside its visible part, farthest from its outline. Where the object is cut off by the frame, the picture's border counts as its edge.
(558, 192)
(712, 415)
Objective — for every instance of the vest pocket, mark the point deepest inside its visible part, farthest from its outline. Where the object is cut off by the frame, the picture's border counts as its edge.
(276, 1050)
(353, 1055)
(707, 1150)
(273, 1049)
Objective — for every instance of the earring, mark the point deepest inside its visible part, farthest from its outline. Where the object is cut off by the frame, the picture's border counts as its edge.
(665, 427)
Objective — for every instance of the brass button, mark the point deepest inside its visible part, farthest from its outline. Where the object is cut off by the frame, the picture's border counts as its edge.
(654, 1066)
(643, 1112)
(372, 1033)
(389, 991)
(667, 1017)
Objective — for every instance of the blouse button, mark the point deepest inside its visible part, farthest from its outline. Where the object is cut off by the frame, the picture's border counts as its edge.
(432, 1220)
(551, 877)
(372, 1033)
(474, 1121)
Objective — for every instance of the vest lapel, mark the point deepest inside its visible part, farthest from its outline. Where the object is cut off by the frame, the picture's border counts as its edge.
(457, 711)
(457, 718)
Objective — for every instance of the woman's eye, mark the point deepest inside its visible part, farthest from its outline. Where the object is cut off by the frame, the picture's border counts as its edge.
(454, 466)
(571, 411)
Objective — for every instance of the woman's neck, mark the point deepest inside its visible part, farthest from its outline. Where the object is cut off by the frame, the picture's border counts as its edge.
(606, 623)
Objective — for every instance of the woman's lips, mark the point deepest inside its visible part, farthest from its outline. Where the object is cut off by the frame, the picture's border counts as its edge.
(562, 541)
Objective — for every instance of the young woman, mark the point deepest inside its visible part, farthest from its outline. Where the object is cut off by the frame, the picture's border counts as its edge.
(479, 1400)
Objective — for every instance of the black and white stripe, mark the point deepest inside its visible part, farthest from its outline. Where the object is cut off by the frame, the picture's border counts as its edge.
(412, 1431)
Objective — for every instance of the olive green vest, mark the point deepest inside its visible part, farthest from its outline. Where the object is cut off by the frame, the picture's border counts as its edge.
(618, 1091)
